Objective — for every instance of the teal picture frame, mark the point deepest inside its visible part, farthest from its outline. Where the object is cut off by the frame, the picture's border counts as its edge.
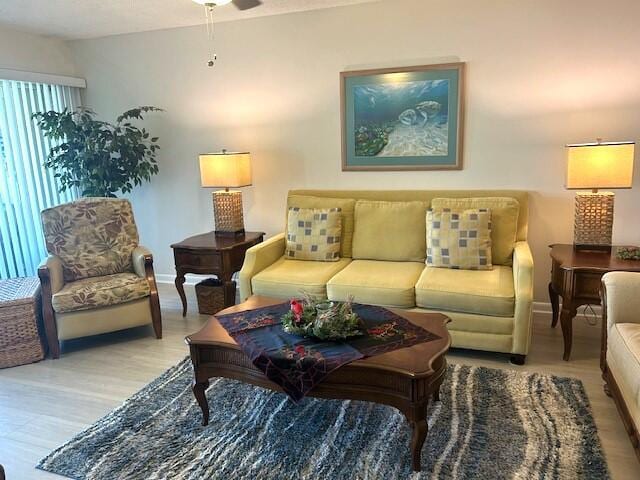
(406, 118)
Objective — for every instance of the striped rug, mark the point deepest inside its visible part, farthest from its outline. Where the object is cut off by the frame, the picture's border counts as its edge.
(490, 424)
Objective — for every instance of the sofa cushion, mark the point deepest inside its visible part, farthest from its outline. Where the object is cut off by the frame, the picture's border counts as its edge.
(96, 292)
(391, 231)
(346, 206)
(483, 292)
(314, 234)
(623, 353)
(504, 221)
(377, 283)
(459, 239)
(289, 278)
(92, 236)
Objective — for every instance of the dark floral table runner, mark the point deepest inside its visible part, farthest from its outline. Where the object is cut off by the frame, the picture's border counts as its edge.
(297, 363)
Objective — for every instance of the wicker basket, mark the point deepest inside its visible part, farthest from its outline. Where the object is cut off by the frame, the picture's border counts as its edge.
(210, 295)
(20, 340)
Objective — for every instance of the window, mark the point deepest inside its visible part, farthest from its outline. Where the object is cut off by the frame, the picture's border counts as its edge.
(26, 187)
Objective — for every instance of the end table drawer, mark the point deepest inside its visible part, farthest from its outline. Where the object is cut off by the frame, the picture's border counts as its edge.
(191, 260)
(587, 285)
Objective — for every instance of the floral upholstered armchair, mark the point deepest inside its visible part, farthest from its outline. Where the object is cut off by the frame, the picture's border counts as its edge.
(97, 279)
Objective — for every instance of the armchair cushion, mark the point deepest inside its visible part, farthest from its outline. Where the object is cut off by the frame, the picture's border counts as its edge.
(92, 236)
(96, 292)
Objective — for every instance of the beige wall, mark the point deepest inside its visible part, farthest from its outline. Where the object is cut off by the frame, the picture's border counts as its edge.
(541, 73)
(34, 53)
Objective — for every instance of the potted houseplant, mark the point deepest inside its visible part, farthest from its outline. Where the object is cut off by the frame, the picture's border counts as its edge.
(97, 157)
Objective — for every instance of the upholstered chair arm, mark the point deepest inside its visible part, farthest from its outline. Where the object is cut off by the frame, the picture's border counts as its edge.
(523, 285)
(621, 295)
(50, 269)
(257, 258)
(140, 257)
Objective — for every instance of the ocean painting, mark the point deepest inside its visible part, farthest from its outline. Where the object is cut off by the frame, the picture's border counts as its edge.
(405, 119)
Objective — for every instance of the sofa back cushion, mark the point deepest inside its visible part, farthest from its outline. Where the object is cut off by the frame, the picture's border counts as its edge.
(392, 231)
(314, 234)
(522, 196)
(504, 221)
(346, 206)
(91, 236)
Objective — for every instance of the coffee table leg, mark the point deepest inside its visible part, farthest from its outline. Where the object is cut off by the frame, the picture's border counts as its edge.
(199, 390)
(420, 429)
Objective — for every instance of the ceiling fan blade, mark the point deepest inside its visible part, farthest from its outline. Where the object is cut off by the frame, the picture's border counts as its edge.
(246, 4)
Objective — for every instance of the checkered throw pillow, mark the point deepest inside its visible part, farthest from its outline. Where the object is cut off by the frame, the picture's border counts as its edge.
(314, 234)
(459, 239)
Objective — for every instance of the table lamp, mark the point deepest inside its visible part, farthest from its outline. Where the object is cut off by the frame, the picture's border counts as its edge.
(594, 166)
(226, 170)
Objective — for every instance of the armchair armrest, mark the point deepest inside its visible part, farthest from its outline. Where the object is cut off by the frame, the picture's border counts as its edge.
(523, 286)
(621, 295)
(257, 258)
(50, 270)
(142, 260)
(140, 257)
(51, 282)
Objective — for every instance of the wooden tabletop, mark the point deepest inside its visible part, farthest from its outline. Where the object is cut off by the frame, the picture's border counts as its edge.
(211, 241)
(568, 257)
(414, 361)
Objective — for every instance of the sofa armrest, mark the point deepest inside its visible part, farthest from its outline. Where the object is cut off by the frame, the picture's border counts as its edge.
(621, 292)
(523, 286)
(257, 259)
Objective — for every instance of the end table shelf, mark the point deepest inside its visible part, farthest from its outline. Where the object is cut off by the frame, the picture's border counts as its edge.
(208, 253)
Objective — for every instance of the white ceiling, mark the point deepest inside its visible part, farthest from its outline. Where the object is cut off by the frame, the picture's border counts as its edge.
(75, 19)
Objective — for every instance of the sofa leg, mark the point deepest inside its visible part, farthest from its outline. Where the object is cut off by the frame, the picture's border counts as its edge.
(517, 359)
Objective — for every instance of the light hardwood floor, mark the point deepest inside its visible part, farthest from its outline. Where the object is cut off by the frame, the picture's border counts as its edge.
(43, 405)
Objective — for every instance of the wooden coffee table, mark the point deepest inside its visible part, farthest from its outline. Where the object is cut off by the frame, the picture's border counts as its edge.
(406, 378)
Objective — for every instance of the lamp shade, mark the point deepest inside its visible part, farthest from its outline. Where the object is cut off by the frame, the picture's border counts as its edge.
(225, 169)
(600, 165)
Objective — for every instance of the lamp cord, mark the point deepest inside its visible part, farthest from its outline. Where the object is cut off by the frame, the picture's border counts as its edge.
(590, 315)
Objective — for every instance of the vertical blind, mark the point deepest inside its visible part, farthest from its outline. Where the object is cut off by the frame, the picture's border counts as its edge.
(26, 186)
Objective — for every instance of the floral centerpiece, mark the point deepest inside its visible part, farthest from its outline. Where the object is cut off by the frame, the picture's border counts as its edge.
(322, 319)
(628, 253)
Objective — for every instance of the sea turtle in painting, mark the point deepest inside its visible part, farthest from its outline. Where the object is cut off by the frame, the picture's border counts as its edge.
(420, 114)
(428, 109)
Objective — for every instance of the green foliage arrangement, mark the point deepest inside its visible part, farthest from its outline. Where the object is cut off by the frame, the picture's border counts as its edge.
(336, 322)
(628, 253)
(98, 157)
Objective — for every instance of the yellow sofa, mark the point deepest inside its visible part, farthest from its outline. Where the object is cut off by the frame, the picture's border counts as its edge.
(382, 262)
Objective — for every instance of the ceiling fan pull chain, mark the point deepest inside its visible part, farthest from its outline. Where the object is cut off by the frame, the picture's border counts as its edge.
(208, 9)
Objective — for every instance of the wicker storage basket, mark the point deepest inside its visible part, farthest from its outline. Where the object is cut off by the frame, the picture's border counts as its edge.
(20, 341)
(210, 295)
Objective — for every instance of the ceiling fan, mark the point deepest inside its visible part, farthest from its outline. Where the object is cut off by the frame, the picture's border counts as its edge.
(240, 4)
(209, 6)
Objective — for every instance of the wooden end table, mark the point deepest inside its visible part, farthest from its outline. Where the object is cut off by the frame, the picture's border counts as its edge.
(208, 253)
(407, 378)
(576, 278)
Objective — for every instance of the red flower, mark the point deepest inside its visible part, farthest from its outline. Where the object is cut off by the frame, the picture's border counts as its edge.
(300, 350)
(296, 309)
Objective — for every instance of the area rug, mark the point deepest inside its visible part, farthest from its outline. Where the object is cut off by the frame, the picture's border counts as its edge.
(489, 424)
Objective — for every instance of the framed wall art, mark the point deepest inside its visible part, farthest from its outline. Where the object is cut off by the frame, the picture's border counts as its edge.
(408, 118)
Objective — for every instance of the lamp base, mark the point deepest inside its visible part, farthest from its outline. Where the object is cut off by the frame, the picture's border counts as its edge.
(592, 248)
(227, 212)
(593, 226)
